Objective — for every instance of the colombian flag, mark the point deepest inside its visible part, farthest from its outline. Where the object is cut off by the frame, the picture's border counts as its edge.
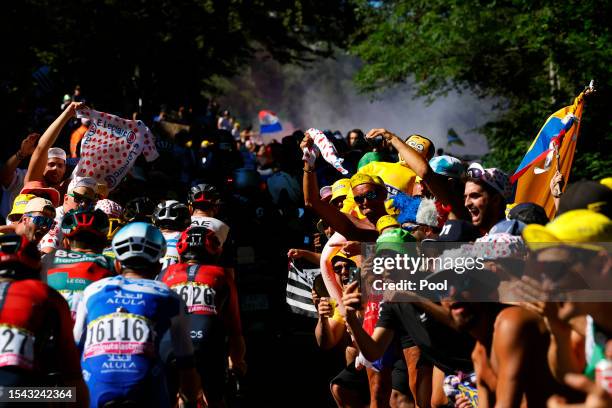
(560, 132)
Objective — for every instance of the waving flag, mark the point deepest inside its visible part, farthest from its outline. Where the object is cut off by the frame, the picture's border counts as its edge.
(558, 136)
(299, 290)
(268, 122)
(453, 138)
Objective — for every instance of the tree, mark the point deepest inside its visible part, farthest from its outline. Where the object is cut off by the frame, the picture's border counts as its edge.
(160, 50)
(533, 56)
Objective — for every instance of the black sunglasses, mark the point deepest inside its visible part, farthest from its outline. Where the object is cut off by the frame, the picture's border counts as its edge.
(81, 199)
(370, 195)
(474, 172)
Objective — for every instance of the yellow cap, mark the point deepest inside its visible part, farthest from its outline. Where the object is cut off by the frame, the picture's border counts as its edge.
(19, 205)
(509, 207)
(386, 221)
(360, 178)
(577, 228)
(340, 188)
(421, 144)
(607, 182)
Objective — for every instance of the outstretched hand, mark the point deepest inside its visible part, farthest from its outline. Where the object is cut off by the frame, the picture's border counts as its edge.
(374, 133)
(29, 144)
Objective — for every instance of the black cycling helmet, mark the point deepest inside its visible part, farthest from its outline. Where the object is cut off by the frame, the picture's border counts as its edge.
(198, 243)
(172, 215)
(204, 194)
(19, 258)
(85, 220)
(139, 209)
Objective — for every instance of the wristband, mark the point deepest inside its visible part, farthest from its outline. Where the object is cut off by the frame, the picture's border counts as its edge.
(20, 156)
(308, 170)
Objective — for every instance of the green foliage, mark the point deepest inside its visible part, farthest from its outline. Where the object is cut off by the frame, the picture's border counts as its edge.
(161, 50)
(534, 57)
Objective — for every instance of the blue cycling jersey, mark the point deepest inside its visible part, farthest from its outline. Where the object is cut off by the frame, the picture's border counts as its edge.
(118, 327)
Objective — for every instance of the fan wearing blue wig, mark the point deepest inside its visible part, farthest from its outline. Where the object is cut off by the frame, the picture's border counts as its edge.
(423, 217)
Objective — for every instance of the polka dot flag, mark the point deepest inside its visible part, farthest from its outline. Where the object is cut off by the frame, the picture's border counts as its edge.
(111, 145)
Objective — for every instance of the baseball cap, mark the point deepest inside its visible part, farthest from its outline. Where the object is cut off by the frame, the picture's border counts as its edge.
(493, 177)
(38, 204)
(512, 227)
(325, 193)
(458, 231)
(360, 178)
(500, 245)
(341, 256)
(369, 157)
(528, 213)
(87, 186)
(19, 205)
(340, 188)
(589, 195)
(39, 188)
(422, 145)
(575, 228)
(448, 166)
(386, 221)
(56, 153)
(394, 240)
(607, 182)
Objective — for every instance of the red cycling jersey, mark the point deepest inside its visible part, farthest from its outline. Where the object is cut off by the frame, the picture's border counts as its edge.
(207, 291)
(31, 314)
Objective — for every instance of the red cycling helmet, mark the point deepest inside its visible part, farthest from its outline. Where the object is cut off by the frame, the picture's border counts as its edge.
(195, 239)
(79, 220)
(17, 253)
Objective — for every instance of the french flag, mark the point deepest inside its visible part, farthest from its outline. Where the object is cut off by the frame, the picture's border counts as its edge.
(268, 122)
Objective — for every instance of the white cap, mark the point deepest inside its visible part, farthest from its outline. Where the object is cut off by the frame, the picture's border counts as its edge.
(87, 182)
(56, 153)
(38, 204)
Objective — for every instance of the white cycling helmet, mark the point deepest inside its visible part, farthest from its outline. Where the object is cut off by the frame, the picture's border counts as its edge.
(172, 215)
(139, 245)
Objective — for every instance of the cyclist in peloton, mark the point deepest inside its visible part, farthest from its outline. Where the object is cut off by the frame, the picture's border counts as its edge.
(70, 271)
(36, 345)
(171, 217)
(213, 310)
(120, 323)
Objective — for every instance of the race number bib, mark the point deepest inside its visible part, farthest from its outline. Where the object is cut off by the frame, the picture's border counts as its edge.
(198, 297)
(119, 333)
(16, 347)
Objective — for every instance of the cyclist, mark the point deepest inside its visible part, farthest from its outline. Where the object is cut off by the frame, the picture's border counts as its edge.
(70, 271)
(114, 213)
(212, 306)
(204, 204)
(171, 217)
(121, 321)
(35, 325)
(139, 209)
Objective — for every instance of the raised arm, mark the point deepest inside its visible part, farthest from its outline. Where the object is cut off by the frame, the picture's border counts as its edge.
(436, 183)
(38, 163)
(336, 219)
(7, 172)
(373, 347)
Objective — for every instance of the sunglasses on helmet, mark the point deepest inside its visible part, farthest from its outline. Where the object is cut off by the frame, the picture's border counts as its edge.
(475, 172)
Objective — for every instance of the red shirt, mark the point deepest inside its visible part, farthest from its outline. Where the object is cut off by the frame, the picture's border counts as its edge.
(31, 313)
(207, 291)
